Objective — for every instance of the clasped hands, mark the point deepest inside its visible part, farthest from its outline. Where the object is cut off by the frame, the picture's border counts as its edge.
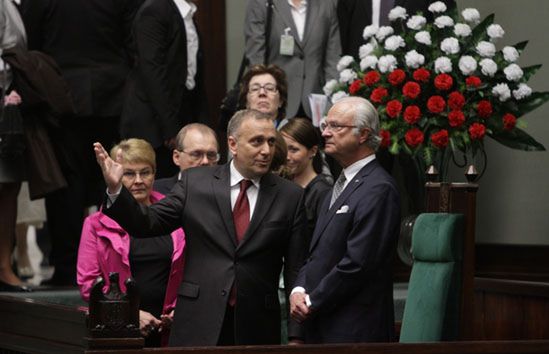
(148, 323)
(298, 307)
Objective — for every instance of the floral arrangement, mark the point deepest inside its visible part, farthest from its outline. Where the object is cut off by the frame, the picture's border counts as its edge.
(441, 86)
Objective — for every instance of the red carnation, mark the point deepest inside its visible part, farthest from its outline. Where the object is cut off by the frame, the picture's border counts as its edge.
(477, 131)
(509, 121)
(421, 75)
(371, 78)
(396, 77)
(393, 108)
(456, 100)
(440, 138)
(355, 86)
(413, 137)
(436, 104)
(456, 118)
(484, 109)
(411, 89)
(412, 114)
(385, 138)
(473, 81)
(443, 82)
(379, 94)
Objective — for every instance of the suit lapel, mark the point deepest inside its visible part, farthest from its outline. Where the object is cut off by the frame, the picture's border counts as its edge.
(178, 19)
(311, 19)
(285, 15)
(327, 216)
(265, 198)
(222, 192)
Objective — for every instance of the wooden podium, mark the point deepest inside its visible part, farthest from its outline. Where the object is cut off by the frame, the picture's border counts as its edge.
(459, 198)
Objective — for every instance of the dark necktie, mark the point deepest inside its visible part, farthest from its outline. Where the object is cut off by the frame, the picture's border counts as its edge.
(241, 211)
(385, 7)
(338, 188)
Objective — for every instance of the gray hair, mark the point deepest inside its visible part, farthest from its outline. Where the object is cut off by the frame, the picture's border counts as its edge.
(240, 116)
(365, 116)
(202, 128)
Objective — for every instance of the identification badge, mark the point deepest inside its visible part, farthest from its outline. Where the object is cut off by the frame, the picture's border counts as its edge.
(287, 43)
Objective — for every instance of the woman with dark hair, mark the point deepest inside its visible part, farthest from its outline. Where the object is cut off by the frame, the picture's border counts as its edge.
(265, 88)
(304, 165)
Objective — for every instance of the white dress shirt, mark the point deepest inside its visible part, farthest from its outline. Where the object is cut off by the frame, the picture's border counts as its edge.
(187, 10)
(252, 191)
(299, 14)
(376, 8)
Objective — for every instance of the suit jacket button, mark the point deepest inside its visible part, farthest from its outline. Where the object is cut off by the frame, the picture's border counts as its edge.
(223, 292)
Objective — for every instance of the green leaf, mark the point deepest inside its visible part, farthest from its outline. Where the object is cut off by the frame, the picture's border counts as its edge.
(479, 32)
(520, 46)
(517, 139)
(532, 102)
(529, 71)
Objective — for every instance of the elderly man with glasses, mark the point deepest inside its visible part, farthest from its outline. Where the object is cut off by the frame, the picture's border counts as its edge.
(196, 145)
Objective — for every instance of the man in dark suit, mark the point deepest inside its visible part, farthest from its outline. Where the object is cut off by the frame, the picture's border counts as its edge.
(354, 15)
(196, 145)
(344, 292)
(241, 222)
(163, 92)
(89, 40)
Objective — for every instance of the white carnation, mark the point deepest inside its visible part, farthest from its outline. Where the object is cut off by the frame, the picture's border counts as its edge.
(495, 32)
(416, 22)
(396, 13)
(467, 65)
(329, 87)
(450, 45)
(488, 67)
(383, 32)
(338, 96)
(365, 50)
(436, 7)
(513, 72)
(414, 60)
(486, 49)
(522, 91)
(510, 54)
(368, 62)
(344, 62)
(387, 63)
(443, 65)
(502, 91)
(444, 21)
(471, 15)
(423, 37)
(394, 42)
(369, 31)
(462, 30)
(347, 76)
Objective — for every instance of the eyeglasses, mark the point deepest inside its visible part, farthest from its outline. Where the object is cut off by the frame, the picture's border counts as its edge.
(269, 88)
(197, 155)
(131, 175)
(334, 127)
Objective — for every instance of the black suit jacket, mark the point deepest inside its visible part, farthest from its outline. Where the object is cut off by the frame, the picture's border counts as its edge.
(89, 40)
(158, 103)
(165, 185)
(354, 15)
(348, 273)
(200, 203)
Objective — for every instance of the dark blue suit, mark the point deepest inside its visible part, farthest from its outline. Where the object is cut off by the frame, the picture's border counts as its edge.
(165, 185)
(348, 274)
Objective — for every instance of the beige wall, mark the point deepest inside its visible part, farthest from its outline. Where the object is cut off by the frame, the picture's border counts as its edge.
(513, 199)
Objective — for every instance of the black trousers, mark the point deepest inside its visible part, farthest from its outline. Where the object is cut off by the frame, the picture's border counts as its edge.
(227, 335)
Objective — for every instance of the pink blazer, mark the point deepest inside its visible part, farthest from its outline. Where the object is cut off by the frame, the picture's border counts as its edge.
(105, 247)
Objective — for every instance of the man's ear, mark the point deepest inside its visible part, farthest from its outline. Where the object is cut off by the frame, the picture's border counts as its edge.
(363, 135)
(175, 156)
(232, 143)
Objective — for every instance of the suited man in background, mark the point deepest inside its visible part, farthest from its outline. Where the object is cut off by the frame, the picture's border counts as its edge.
(354, 15)
(164, 86)
(196, 145)
(242, 223)
(344, 292)
(311, 48)
(90, 41)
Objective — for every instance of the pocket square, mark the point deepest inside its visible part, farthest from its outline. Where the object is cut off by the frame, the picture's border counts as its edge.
(344, 209)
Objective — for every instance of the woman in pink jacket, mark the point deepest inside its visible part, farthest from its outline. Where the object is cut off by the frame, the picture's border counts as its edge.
(155, 263)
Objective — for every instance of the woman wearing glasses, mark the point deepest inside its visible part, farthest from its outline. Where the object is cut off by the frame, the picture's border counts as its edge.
(155, 263)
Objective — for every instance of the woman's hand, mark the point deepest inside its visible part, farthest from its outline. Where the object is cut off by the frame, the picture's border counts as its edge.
(112, 170)
(13, 99)
(148, 323)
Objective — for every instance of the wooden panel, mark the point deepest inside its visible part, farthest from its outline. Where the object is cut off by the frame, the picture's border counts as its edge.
(519, 262)
(536, 312)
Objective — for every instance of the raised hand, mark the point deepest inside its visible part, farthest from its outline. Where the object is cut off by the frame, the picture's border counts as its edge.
(112, 170)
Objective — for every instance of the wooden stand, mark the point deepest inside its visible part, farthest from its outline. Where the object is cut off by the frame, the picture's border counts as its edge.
(459, 198)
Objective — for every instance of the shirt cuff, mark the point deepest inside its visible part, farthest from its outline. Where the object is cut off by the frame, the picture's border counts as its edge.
(111, 198)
